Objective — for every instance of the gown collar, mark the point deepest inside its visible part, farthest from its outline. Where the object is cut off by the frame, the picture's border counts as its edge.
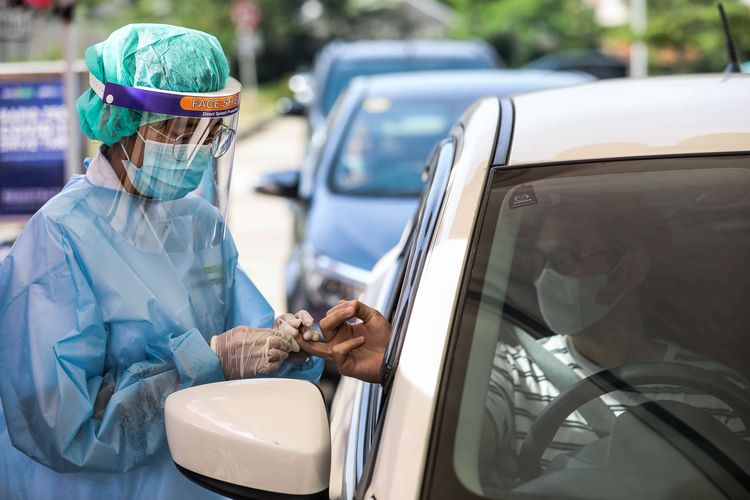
(99, 172)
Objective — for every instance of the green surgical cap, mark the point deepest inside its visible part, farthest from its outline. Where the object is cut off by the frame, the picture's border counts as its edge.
(156, 56)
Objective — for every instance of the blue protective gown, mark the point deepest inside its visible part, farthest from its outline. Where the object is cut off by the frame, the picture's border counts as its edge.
(106, 305)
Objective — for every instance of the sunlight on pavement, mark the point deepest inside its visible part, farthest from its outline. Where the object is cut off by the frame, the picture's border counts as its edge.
(262, 225)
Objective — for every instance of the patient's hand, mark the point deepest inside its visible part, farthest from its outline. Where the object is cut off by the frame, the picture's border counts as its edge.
(357, 349)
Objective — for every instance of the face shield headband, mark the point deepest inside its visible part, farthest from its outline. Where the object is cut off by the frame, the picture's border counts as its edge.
(186, 146)
(217, 104)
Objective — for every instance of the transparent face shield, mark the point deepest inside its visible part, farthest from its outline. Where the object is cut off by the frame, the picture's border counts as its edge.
(183, 144)
(157, 219)
(168, 159)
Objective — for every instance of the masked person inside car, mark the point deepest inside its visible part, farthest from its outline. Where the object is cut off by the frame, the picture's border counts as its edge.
(577, 302)
(125, 286)
(584, 284)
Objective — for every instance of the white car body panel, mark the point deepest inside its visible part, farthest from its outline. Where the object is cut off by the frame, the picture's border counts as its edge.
(344, 430)
(403, 449)
(629, 118)
(347, 403)
(209, 433)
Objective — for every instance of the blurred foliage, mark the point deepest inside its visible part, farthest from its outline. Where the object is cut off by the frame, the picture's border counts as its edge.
(522, 30)
(289, 39)
(288, 42)
(685, 36)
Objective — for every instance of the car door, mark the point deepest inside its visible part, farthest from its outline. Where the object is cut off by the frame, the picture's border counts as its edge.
(356, 421)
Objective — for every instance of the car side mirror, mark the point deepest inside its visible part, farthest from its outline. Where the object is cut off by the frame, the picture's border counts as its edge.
(254, 439)
(290, 107)
(284, 183)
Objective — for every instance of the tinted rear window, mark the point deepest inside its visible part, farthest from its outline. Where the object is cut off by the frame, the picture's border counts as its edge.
(387, 144)
(343, 71)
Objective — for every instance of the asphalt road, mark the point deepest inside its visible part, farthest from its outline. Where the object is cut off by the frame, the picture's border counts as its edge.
(262, 225)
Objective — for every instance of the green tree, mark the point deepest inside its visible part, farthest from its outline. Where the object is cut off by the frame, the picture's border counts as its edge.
(522, 30)
(685, 36)
(288, 42)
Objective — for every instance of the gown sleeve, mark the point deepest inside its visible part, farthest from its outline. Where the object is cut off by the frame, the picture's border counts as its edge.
(61, 408)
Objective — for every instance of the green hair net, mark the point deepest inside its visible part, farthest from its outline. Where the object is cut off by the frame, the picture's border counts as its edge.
(157, 56)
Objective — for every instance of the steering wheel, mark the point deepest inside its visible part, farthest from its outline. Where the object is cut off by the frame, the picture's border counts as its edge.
(625, 377)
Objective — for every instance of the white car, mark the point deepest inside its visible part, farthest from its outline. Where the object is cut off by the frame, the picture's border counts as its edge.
(583, 244)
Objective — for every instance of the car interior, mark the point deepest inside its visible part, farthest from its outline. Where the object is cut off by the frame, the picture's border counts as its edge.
(669, 238)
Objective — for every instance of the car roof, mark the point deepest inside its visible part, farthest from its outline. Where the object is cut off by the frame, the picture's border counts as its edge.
(625, 118)
(446, 83)
(374, 49)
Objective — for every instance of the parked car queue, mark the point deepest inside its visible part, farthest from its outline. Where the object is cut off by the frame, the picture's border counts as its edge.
(362, 177)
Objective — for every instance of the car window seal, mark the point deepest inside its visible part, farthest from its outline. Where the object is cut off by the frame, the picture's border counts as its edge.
(504, 137)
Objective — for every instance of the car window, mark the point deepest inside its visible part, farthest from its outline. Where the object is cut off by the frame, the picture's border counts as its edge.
(384, 150)
(316, 148)
(344, 70)
(601, 346)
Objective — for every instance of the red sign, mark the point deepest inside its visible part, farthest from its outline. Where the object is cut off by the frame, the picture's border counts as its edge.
(38, 4)
(245, 14)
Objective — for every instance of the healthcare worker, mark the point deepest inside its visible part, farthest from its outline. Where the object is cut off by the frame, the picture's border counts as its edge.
(114, 290)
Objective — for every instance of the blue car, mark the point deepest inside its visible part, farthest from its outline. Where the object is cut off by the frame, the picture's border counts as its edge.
(362, 178)
(340, 62)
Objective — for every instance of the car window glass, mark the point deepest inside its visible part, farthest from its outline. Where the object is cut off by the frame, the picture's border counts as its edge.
(426, 220)
(624, 285)
(316, 148)
(344, 70)
(384, 151)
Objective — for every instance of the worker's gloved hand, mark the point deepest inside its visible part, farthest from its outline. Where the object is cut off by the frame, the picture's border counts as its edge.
(297, 324)
(247, 352)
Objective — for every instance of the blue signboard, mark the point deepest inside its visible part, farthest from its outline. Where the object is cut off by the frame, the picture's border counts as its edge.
(33, 137)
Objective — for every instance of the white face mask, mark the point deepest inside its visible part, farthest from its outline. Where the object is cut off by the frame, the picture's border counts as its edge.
(568, 304)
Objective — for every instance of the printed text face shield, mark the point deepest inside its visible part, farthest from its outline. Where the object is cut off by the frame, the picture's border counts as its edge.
(184, 143)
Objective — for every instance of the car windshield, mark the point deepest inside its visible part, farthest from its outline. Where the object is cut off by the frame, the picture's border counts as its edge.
(604, 327)
(387, 144)
(344, 70)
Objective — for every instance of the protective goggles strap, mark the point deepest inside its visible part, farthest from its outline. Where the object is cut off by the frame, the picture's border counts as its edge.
(210, 105)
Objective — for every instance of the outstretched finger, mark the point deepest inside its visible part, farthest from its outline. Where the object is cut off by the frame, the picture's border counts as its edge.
(337, 318)
(319, 349)
(340, 304)
(341, 351)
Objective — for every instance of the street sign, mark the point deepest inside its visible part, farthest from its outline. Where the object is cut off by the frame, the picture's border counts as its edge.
(246, 15)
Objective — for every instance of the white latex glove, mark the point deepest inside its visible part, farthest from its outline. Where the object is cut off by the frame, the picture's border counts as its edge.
(297, 324)
(247, 352)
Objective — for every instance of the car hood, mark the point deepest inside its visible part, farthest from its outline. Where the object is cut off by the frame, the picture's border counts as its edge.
(357, 230)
